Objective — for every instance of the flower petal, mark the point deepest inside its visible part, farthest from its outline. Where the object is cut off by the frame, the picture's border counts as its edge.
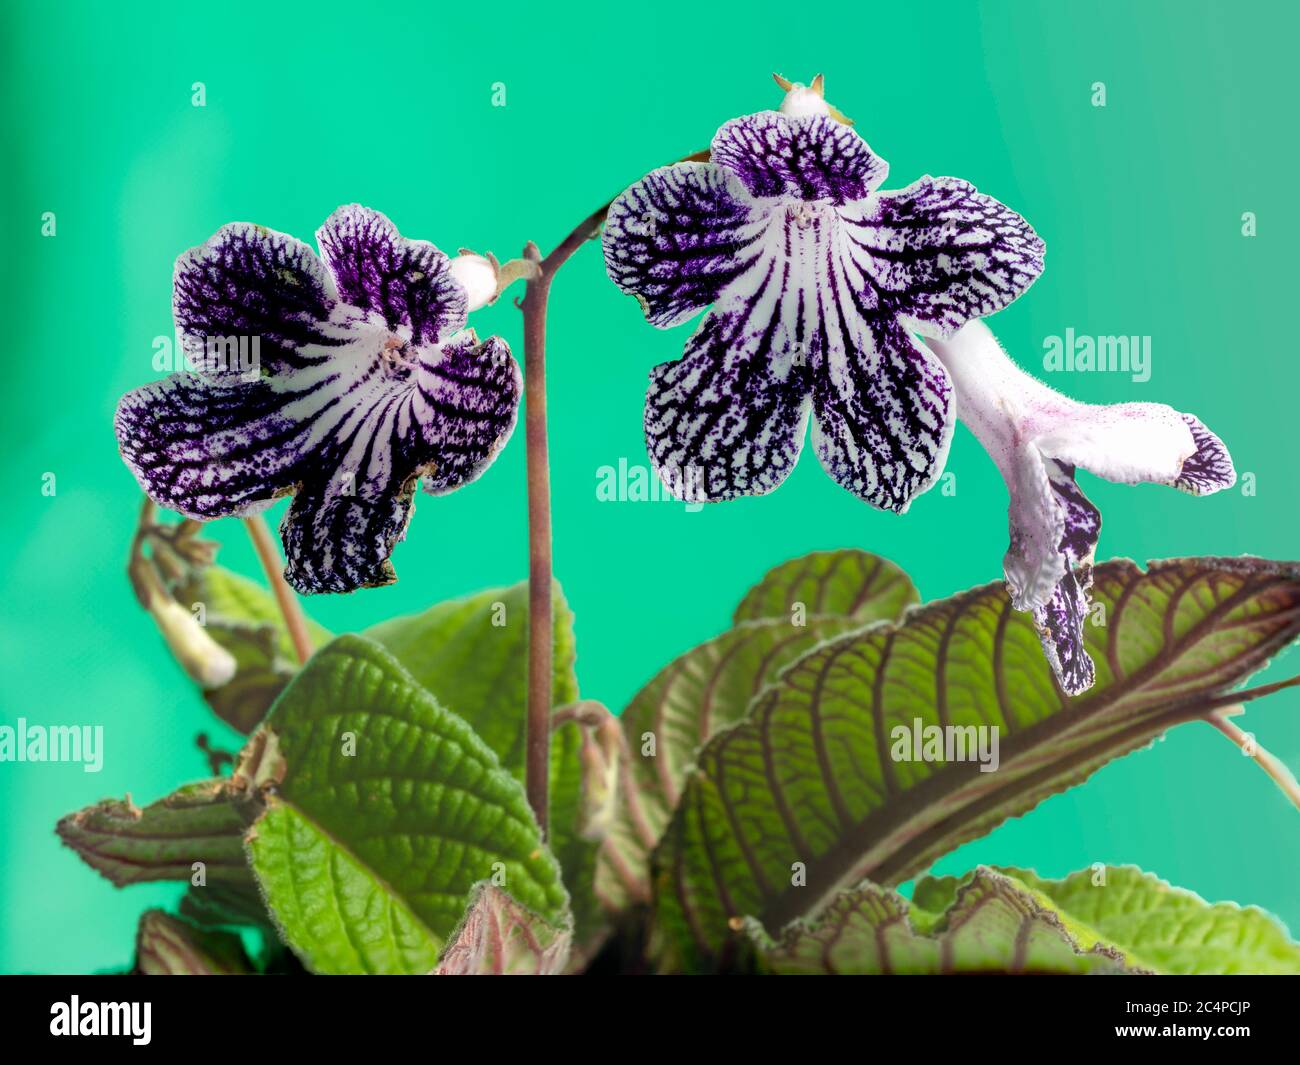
(367, 449)
(469, 400)
(1034, 563)
(678, 237)
(1209, 469)
(1081, 521)
(1060, 628)
(208, 450)
(808, 158)
(338, 542)
(883, 404)
(728, 418)
(943, 251)
(407, 282)
(445, 420)
(1054, 532)
(248, 281)
(1129, 443)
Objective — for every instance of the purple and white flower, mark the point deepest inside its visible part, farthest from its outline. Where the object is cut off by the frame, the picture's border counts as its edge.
(368, 382)
(1038, 438)
(816, 281)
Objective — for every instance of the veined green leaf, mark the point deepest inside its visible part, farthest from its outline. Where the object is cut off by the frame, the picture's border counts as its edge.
(710, 688)
(816, 791)
(1160, 927)
(383, 809)
(498, 937)
(472, 654)
(170, 946)
(197, 823)
(848, 583)
(991, 923)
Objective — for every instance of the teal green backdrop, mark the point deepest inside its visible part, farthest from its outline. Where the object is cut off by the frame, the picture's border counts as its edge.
(310, 106)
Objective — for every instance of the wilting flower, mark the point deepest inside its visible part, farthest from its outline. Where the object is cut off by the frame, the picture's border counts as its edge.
(364, 382)
(1038, 438)
(816, 281)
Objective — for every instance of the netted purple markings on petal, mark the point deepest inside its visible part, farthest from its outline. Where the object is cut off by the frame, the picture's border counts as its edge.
(470, 393)
(944, 252)
(1082, 519)
(1060, 628)
(1210, 468)
(249, 281)
(345, 418)
(719, 422)
(808, 159)
(679, 236)
(407, 282)
(447, 427)
(1060, 622)
(338, 542)
(209, 450)
(883, 407)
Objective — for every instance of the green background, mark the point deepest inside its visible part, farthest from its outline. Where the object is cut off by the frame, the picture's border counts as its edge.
(391, 105)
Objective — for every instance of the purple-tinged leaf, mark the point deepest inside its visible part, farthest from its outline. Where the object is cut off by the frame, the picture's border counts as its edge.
(819, 787)
(199, 823)
(708, 689)
(993, 925)
(171, 946)
(499, 937)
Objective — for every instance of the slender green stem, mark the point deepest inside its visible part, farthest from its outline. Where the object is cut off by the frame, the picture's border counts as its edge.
(290, 609)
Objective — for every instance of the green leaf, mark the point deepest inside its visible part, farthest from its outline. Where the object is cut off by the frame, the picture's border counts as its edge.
(220, 904)
(850, 583)
(814, 783)
(383, 809)
(710, 688)
(1163, 928)
(198, 823)
(991, 923)
(498, 937)
(243, 617)
(170, 946)
(472, 654)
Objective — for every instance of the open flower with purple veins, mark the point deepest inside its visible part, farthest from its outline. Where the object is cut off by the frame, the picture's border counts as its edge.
(1038, 437)
(816, 281)
(368, 382)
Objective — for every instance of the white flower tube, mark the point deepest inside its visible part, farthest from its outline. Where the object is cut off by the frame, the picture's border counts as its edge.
(1037, 437)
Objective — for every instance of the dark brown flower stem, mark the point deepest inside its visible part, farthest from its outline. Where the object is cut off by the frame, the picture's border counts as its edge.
(537, 757)
(537, 751)
(290, 609)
